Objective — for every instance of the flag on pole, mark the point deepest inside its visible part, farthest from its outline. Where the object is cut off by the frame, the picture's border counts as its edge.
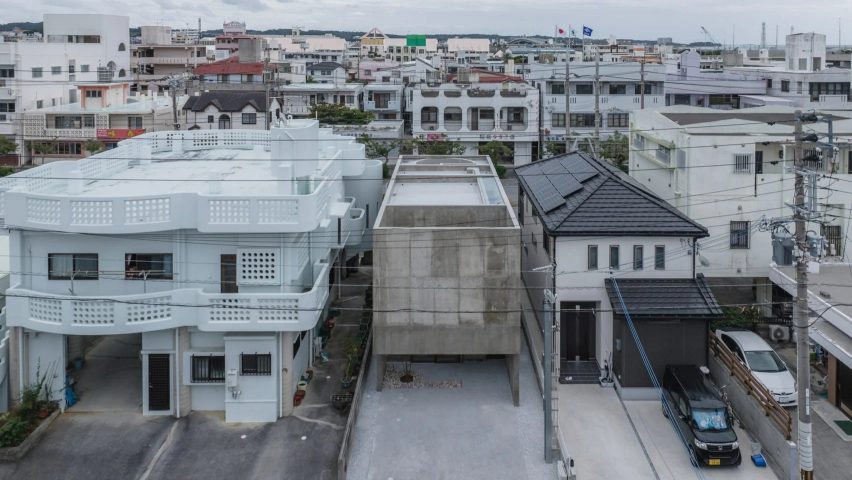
(587, 31)
(560, 31)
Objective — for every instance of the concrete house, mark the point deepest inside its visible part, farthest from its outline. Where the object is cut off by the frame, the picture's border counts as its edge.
(446, 265)
(204, 284)
(327, 72)
(221, 109)
(612, 240)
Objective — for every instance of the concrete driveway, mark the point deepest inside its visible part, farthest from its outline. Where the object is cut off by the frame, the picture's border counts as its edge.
(669, 456)
(93, 446)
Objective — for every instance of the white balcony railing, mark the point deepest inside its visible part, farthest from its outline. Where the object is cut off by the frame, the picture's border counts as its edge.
(389, 105)
(213, 312)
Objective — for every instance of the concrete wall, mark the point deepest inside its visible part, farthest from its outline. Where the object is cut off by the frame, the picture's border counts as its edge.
(781, 454)
(258, 394)
(449, 216)
(45, 353)
(459, 284)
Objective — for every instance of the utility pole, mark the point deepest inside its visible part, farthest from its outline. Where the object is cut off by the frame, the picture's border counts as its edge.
(173, 86)
(642, 79)
(550, 368)
(597, 102)
(800, 312)
(568, 93)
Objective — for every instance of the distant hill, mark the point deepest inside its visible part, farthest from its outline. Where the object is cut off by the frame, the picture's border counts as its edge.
(29, 26)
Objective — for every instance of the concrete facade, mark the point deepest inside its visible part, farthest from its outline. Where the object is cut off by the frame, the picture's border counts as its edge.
(447, 263)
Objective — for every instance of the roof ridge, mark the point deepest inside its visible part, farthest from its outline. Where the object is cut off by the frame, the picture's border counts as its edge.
(573, 211)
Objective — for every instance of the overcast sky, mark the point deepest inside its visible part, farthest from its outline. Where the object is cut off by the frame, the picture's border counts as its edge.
(645, 19)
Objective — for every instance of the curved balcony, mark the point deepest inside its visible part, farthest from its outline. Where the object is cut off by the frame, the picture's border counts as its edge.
(213, 312)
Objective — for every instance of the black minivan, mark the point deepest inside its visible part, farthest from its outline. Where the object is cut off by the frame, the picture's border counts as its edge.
(701, 415)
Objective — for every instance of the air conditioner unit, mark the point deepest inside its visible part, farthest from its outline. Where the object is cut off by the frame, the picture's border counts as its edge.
(779, 333)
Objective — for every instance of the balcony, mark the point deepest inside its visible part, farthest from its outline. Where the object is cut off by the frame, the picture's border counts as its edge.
(429, 93)
(513, 126)
(382, 105)
(211, 312)
(513, 93)
(477, 93)
(452, 93)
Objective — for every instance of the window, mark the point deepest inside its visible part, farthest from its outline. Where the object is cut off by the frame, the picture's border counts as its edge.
(660, 257)
(208, 368)
(84, 69)
(209, 118)
(799, 87)
(148, 265)
(545, 240)
(557, 119)
(758, 162)
(742, 163)
(249, 118)
(584, 89)
(638, 260)
(134, 122)
(7, 71)
(7, 106)
(593, 257)
(121, 47)
(37, 72)
(613, 257)
(768, 83)
(557, 88)
(785, 85)
(618, 119)
(94, 94)
(739, 234)
(255, 364)
(39, 103)
(81, 266)
(664, 154)
(582, 119)
(637, 89)
(55, 70)
(617, 89)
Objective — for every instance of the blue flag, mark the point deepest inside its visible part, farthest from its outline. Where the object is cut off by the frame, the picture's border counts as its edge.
(587, 32)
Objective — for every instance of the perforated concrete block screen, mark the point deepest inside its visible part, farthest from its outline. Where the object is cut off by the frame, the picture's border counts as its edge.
(258, 266)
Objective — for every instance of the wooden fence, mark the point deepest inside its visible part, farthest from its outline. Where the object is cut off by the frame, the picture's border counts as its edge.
(779, 416)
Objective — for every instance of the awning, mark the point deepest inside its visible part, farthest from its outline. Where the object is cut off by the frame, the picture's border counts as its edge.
(680, 298)
(832, 339)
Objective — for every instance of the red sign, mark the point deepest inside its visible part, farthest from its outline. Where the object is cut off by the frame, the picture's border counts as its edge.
(118, 133)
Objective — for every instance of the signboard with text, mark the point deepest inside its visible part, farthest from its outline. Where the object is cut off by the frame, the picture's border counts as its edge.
(118, 133)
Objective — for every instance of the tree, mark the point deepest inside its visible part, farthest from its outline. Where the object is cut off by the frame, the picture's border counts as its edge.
(43, 148)
(93, 146)
(7, 146)
(615, 149)
(439, 147)
(552, 149)
(498, 151)
(377, 148)
(336, 114)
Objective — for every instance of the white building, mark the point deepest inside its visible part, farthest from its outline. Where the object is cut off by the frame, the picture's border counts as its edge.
(384, 100)
(75, 48)
(731, 170)
(686, 83)
(221, 276)
(105, 113)
(158, 57)
(620, 92)
(478, 113)
(298, 98)
(327, 72)
(222, 110)
(597, 226)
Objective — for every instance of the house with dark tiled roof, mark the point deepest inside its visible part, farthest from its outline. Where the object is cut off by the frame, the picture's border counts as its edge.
(622, 257)
(223, 109)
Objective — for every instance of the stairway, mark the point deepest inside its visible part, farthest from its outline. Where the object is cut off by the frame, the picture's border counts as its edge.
(582, 372)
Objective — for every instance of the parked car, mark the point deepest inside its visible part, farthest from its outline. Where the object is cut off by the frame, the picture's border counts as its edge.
(701, 415)
(766, 366)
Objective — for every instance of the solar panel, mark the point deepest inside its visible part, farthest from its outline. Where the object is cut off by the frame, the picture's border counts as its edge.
(565, 184)
(548, 197)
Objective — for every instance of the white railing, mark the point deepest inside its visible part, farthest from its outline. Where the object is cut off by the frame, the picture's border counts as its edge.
(109, 315)
(83, 133)
(389, 105)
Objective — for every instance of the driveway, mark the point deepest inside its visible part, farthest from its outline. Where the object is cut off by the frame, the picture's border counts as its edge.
(669, 455)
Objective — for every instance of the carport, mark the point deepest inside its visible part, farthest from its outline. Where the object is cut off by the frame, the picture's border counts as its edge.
(110, 379)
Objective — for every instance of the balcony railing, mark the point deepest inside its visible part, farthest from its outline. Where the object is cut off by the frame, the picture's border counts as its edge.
(429, 93)
(477, 93)
(213, 312)
(4, 347)
(383, 105)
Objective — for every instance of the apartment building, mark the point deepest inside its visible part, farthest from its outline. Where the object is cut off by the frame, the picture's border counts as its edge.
(619, 250)
(474, 114)
(375, 44)
(158, 57)
(620, 93)
(686, 83)
(309, 49)
(446, 263)
(326, 72)
(231, 73)
(218, 282)
(384, 100)
(105, 114)
(74, 48)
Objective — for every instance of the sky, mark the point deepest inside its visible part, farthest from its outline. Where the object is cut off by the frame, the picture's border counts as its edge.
(728, 21)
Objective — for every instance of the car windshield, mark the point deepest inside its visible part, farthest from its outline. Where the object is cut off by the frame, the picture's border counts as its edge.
(764, 361)
(710, 419)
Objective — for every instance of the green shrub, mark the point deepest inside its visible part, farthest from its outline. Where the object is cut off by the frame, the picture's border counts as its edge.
(14, 430)
(501, 170)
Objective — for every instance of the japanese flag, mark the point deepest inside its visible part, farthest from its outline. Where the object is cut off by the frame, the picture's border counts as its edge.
(560, 31)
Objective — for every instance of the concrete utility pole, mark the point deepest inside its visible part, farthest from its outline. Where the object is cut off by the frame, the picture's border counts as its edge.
(800, 313)
(550, 367)
(568, 94)
(597, 102)
(642, 79)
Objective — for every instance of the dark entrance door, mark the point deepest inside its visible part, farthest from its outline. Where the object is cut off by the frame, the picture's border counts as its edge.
(577, 339)
(159, 375)
(228, 274)
(844, 388)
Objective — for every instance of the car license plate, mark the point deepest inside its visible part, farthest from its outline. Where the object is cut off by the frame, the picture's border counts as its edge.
(715, 461)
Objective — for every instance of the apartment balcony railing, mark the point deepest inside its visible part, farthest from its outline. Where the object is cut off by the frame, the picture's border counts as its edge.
(429, 93)
(52, 133)
(212, 312)
(476, 93)
(513, 93)
(513, 126)
(386, 105)
(167, 60)
(452, 93)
